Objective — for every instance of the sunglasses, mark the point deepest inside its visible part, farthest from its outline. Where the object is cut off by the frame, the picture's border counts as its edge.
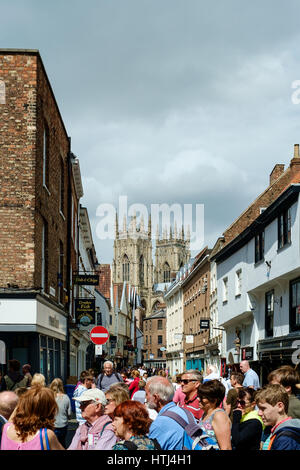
(84, 404)
(186, 381)
(241, 402)
(109, 400)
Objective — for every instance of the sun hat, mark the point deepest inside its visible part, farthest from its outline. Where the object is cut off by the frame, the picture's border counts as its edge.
(92, 394)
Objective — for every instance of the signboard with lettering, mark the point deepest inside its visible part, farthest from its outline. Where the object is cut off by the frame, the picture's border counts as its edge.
(85, 311)
(86, 279)
(204, 324)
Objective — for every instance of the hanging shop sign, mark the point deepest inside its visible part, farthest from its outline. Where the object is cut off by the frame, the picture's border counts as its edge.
(85, 311)
(86, 279)
(204, 324)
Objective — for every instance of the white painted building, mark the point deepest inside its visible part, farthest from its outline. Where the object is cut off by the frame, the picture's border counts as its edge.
(258, 282)
(174, 326)
(81, 348)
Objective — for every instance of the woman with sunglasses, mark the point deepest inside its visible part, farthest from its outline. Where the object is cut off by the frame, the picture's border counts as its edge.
(247, 425)
(215, 421)
(115, 395)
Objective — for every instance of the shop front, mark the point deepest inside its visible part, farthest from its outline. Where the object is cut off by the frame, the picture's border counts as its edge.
(276, 352)
(34, 331)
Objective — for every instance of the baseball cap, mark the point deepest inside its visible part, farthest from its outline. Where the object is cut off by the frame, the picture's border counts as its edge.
(92, 394)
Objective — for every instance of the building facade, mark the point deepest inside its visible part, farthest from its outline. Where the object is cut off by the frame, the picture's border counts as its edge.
(259, 277)
(196, 292)
(35, 152)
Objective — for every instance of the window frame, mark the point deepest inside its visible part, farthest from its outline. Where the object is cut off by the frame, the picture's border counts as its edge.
(294, 326)
(284, 228)
(269, 330)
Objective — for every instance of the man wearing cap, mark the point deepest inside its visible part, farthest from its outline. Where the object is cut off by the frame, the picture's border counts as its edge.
(96, 433)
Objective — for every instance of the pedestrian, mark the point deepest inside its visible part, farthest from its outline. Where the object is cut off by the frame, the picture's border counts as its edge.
(126, 378)
(13, 379)
(179, 396)
(190, 382)
(38, 380)
(168, 432)
(273, 402)
(26, 372)
(289, 378)
(236, 380)
(32, 425)
(251, 378)
(96, 433)
(115, 395)
(64, 410)
(247, 425)
(8, 402)
(108, 377)
(134, 386)
(211, 373)
(131, 424)
(140, 395)
(214, 421)
(88, 381)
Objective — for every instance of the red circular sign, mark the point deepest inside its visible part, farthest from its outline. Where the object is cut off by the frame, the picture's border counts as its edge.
(99, 335)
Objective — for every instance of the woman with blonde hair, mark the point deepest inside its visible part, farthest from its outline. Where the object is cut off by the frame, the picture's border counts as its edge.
(32, 423)
(64, 410)
(115, 395)
(38, 380)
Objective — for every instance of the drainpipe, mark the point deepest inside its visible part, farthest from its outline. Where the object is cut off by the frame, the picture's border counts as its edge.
(69, 210)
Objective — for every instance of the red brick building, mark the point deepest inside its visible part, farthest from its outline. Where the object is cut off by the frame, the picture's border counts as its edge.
(196, 296)
(35, 210)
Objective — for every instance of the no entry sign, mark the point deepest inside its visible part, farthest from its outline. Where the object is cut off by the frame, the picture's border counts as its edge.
(99, 335)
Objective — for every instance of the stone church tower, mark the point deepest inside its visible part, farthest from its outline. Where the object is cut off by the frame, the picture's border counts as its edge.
(172, 252)
(133, 260)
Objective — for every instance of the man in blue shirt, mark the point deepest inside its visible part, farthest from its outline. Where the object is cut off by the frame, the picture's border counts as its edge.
(250, 376)
(159, 396)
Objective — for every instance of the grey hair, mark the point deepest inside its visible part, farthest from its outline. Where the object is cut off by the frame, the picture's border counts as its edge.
(164, 390)
(196, 374)
(108, 362)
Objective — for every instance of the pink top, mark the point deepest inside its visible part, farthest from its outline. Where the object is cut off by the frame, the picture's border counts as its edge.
(179, 396)
(9, 444)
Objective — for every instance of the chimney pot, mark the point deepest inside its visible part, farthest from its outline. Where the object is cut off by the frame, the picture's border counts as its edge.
(296, 151)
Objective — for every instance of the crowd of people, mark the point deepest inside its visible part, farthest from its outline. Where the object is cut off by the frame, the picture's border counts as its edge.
(146, 409)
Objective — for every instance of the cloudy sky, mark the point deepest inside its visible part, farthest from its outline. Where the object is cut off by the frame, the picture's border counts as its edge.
(173, 101)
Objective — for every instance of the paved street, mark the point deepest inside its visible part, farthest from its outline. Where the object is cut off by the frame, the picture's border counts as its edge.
(71, 429)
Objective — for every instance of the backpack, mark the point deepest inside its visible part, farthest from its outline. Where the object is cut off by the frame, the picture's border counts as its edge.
(101, 377)
(193, 438)
(132, 446)
(11, 385)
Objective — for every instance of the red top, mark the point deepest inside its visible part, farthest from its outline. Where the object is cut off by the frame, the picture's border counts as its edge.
(193, 405)
(134, 386)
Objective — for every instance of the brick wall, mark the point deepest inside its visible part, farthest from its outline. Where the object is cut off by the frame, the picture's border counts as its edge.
(279, 181)
(25, 203)
(196, 305)
(151, 330)
(104, 280)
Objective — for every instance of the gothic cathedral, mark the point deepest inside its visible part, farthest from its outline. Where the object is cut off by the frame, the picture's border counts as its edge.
(133, 260)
